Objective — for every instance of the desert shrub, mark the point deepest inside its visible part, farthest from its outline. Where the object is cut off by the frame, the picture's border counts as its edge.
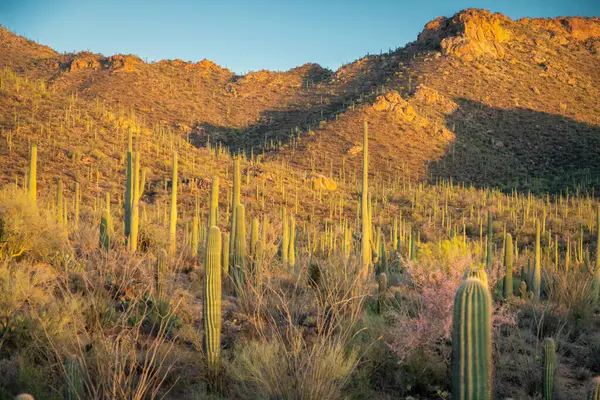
(25, 229)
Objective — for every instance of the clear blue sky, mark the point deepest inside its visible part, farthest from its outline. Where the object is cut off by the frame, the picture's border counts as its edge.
(249, 35)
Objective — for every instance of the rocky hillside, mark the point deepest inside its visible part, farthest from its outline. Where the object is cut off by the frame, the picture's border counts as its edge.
(478, 97)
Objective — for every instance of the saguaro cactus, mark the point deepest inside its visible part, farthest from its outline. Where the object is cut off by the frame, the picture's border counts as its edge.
(472, 342)
(60, 208)
(173, 213)
(32, 181)
(225, 254)
(490, 241)
(214, 201)
(138, 183)
(239, 249)
(292, 245)
(537, 268)
(549, 368)
(128, 186)
(235, 200)
(594, 391)
(211, 307)
(508, 263)
(382, 289)
(74, 388)
(366, 256)
(285, 240)
(105, 230)
(160, 275)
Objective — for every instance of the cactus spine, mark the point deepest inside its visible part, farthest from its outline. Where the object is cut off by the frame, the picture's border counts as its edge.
(537, 273)
(32, 184)
(173, 213)
(239, 249)
(508, 263)
(211, 309)
(364, 210)
(472, 342)
(549, 368)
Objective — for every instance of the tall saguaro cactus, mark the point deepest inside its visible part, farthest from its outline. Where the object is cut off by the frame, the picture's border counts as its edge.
(137, 188)
(490, 241)
(285, 240)
(32, 181)
(537, 267)
(549, 368)
(235, 200)
(211, 307)
(214, 202)
(239, 249)
(364, 210)
(128, 186)
(508, 263)
(173, 213)
(472, 342)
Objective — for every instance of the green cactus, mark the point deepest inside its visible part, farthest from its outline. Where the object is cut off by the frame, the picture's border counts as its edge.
(195, 235)
(254, 231)
(239, 249)
(412, 251)
(285, 241)
(477, 272)
(173, 213)
(235, 200)
(472, 342)
(77, 205)
(138, 183)
(490, 242)
(160, 275)
(128, 187)
(214, 202)
(508, 263)
(74, 377)
(537, 273)
(382, 289)
(105, 230)
(292, 246)
(549, 368)
(523, 290)
(211, 307)
(60, 208)
(594, 390)
(32, 184)
(225, 254)
(366, 255)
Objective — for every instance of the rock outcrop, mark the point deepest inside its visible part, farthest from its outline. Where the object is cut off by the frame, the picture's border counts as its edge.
(469, 34)
(395, 104)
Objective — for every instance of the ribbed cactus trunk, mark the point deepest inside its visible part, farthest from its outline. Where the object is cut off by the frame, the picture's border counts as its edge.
(490, 241)
(292, 246)
(225, 254)
(537, 267)
(364, 206)
(160, 275)
(173, 213)
(239, 249)
(74, 378)
(382, 289)
(211, 307)
(128, 187)
(214, 202)
(594, 391)
(508, 263)
(597, 265)
(194, 247)
(105, 230)
(472, 342)
(138, 182)
(32, 181)
(285, 240)
(549, 368)
(235, 200)
(77, 205)
(254, 231)
(60, 208)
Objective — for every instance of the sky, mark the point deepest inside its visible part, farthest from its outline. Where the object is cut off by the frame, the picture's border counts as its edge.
(249, 35)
